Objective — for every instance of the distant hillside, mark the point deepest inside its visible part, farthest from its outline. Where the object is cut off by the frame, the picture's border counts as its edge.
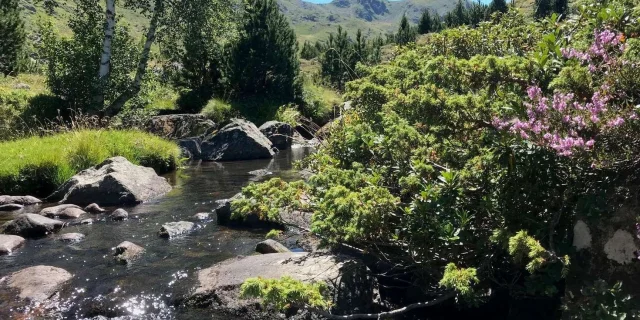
(373, 17)
(311, 21)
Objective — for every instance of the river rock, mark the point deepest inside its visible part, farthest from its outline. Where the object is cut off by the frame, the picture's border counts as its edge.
(127, 251)
(71, 237)
(67, 213)
(23, 200)
(239, 140)
(38, 283)
(9, 243)
(116, 181)
(191, 147)
(94, 208)
(279, 133)
(11, 207)
(87, 221)
(32, 225)
(56, 210)
(119, 215)
(202, 216)
(350, 283)
(271, 246)
(173, 229)
(178, 126)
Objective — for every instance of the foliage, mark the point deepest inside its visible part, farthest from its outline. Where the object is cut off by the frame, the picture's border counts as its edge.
(273, 234)
(602, 301)
(460, 279)
(288, 114)
(13, 36)
(265, 58)
(219, 111)
(286, 292)
(406, 33)
(73, 63)
(38, 165)
(267, 199)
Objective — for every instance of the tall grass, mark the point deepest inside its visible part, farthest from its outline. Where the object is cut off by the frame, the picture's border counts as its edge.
(38, 165)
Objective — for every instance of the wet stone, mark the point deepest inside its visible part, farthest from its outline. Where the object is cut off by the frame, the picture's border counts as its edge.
(127, 252)
(9, 243)
(173, 229)
(71, 237)
(119, 215)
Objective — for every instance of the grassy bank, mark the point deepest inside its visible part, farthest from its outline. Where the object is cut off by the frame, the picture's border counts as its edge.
(37, 166)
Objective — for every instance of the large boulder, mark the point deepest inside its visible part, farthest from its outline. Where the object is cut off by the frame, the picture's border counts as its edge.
(271, 246)
(38, 283)
(239, 140)
(178, 126)
(279, 133)
(191, 147)
(114, 182)
(56, 210)
(65, 213)
(9, 243)
(32, 225)
(351, 285)
(21, 200)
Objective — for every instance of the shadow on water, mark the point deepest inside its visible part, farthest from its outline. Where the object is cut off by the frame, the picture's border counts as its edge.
(149, 287)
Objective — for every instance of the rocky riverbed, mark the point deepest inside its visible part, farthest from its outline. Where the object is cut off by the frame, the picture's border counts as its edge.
(157, 281)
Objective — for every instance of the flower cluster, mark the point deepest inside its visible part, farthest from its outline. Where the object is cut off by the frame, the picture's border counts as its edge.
(563, 123)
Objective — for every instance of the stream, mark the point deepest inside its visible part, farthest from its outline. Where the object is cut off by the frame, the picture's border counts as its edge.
(151, 287)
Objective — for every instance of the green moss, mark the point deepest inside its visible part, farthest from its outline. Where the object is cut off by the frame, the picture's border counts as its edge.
(286, 292)
(38, 165)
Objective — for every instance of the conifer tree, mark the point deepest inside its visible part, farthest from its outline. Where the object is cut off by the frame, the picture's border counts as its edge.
(543, 8)
(498, 5)
(12, 36)
(561, 6)
(265, 60)
(426, 25)
(406, 33)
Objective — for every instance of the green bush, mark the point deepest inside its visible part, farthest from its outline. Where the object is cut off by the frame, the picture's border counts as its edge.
(38, 165)
(218, 111)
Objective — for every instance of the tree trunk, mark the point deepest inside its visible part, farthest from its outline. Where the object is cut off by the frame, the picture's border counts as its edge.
(118, 104)
(105, 59)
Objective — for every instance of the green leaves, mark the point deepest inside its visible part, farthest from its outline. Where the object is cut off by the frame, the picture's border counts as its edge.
(286, 292)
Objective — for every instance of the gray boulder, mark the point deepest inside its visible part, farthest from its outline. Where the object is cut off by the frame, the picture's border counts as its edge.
(173, 229)
(191, 147)
(279, 133)
(116, 181)
(9, 243)
(271, 246)
(22, 200)
(127, 252)
(178, 126)
(351, 286)
(56, 210)
(37, 284)
(32, 225)
(119, 215)
(239, 140)
(71, 237)
(11, 207)
(64, 213)
(94, 208)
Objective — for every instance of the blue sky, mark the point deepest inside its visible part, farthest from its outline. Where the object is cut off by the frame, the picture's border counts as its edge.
(327, 1)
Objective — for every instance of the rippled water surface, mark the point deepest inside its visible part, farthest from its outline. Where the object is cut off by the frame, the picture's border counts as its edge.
(153, 285)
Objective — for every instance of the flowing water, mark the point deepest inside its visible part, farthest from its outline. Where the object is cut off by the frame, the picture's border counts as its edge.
(151, 287)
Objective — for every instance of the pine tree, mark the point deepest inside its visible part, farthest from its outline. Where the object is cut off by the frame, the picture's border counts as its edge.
(543, 8)
(12, 36)
(426, 25)
(309, 51)
(461, 14)
(406, 33)
(265, 61)
(561, 6)
(498, 5)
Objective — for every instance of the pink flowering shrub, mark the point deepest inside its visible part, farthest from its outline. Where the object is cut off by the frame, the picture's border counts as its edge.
(562, 122)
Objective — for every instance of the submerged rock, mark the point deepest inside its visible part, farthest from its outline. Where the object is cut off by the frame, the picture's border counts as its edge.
(116, 181)
(271, 246)
(127, 252)
(351, 285)
(9, 243)
(56, 210)
(202, 216)
(38, 283)
(173, 229)
(71, 237)
(119, 215)
(279, 133)
(178, 126)
(22, 200)
(32, 225)
(66, 213)
(239, 140)
(11, 207)
(94, 208)
(87, 221)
